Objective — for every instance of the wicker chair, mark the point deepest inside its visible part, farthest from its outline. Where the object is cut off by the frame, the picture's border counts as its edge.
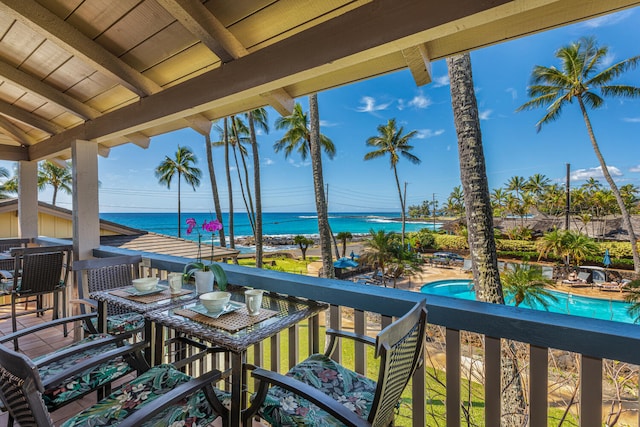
(6, 265)
(85, 366)
(103, 274)
(39, 271)
(161, 396)
(307, 394)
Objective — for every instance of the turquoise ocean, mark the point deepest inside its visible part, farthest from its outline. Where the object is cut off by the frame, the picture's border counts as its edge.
(274, 224)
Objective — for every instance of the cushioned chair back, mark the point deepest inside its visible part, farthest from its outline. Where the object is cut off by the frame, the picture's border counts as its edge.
(7, 244)
(42, 269)
(103, 274)
(399, 347)
(21, 390)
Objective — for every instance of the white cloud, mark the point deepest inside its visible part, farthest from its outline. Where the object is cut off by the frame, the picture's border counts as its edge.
(582, 174)
(327, 124)
(299, 164)
(420, 101)
(441, 81)
(513, 92)
(635, 169)
(631, 119)
(485, 115)
(370, 105)
(607, 20)
(428, 133)
(267, 161)
(259, 132)
(608, 59)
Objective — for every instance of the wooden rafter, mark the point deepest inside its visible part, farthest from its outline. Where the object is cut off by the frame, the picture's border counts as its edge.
(28, 83)
(29, 119)
(417, 59)
(50, 26)
(14, 132)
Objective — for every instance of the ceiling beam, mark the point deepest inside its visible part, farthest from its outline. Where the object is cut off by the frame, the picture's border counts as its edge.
(417, 59)
(281, 101)
(398, 26)
(50, 26)
(14, 153)
(197, 19)
(30, 84)
(103, 151)
(29, 119)
(14, 132)
(139, 139)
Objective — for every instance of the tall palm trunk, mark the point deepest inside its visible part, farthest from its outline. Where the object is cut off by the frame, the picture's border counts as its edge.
(232, 240)
(318, 185)
(236, 148)
(626, 218)
(256, 187)
(214, 190)
(480, 224)
(395, 173)
(179, 208)
(55, 195)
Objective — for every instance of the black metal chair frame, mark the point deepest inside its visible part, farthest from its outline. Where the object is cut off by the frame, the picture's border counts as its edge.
(399, 347)
(132, 353)
(39, 271)
(21, 388)
(102, 274)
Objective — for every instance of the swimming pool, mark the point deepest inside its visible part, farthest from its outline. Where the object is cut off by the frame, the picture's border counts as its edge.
(595, 308)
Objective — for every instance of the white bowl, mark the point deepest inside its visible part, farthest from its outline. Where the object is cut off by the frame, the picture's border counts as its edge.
(215, 301)
(145, 284)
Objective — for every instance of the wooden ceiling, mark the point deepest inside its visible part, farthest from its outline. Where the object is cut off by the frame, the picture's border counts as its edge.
(123, 71)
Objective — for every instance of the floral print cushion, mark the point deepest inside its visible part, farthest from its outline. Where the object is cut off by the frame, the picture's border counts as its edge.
(85, 382)
(353, 390)
(193, 411)
(119, 323)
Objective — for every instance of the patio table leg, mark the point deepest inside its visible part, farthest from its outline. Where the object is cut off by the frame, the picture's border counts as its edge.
(237, 382)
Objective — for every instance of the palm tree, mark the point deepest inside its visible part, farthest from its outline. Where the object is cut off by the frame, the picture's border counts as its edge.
(482, 243)
(390, 141)
(343, 236)
(378, 249)
(58, 177)
(303, 135)
(632, 295)
(257, 118)
(578, 79)
(537, 184)
(4, 189)
(214, 189)
(182, 165)
(525, 283)
(455, 202)
(303, 242)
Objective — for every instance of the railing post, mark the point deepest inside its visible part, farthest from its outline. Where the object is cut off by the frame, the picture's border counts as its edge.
(590, 391)
(492, 380)
(453, 377)
(539, 376)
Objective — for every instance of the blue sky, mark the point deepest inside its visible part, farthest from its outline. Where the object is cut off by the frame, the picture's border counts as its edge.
(351, 114)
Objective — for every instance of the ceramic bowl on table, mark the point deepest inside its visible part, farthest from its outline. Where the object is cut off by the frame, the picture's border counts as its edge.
(215, 301)
(145, 284)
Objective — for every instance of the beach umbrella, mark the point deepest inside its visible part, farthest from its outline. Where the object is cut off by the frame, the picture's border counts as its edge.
(345, 263)
(607, 259)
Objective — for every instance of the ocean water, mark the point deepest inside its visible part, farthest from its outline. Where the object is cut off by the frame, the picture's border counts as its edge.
(274, 224)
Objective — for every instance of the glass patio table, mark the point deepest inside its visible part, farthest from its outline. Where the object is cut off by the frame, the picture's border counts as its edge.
(236, 331)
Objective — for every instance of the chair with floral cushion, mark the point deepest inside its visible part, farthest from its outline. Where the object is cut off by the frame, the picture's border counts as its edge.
(162, 396)
(103, 274)
(88, 365)
(321, 392)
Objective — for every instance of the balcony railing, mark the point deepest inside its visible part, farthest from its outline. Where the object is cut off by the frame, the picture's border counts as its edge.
(367, 309)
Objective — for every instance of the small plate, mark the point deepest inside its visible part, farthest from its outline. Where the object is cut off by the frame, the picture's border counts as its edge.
(232, 306)
(135, 292)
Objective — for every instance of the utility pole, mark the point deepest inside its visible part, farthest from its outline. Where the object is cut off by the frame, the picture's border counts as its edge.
(567, 204)
(434, 211)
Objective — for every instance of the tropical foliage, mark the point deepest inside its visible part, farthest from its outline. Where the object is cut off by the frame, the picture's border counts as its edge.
(303, 242)
(567, 244)
(524, 283)
(343, 236)
(385, 252)
(584, 76)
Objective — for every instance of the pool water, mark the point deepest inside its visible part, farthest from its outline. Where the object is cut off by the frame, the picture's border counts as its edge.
(595, 308)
